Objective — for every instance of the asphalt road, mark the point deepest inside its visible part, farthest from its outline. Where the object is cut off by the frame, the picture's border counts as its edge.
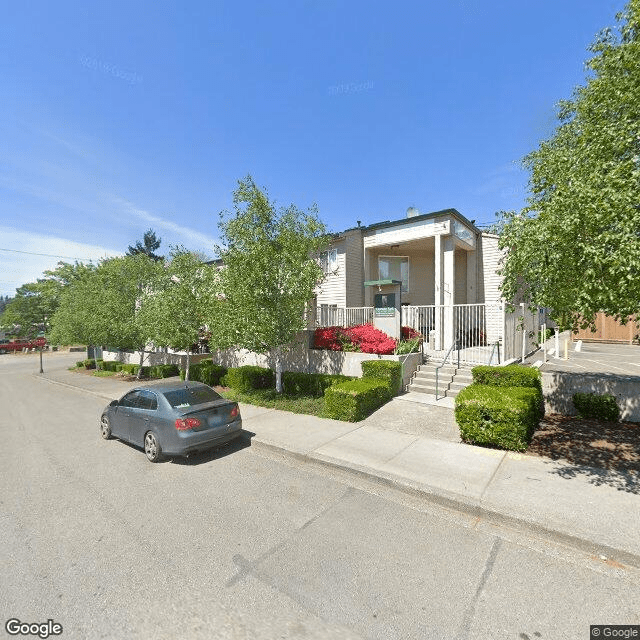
(240, 545)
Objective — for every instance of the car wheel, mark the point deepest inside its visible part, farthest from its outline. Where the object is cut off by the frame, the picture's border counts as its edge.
(152, 447)
(105, 428)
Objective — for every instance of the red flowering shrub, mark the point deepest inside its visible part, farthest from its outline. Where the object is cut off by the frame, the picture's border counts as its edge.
(407, 333)
(364, 337)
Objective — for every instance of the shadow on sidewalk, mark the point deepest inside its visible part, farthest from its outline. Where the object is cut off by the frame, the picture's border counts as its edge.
(604, 452)
(232, 447)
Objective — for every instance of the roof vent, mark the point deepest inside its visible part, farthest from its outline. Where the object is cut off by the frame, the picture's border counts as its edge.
(412, 212)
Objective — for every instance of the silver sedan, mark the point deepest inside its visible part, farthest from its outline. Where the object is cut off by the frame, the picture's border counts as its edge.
(173, 418)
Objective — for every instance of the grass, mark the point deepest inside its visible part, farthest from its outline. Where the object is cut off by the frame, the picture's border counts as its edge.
(269, 398)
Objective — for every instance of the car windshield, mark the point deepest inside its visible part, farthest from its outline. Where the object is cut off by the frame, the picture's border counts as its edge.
(183, 398)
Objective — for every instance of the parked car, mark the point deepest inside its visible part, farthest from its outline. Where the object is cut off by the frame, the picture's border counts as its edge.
(7, 346)
(172, 418)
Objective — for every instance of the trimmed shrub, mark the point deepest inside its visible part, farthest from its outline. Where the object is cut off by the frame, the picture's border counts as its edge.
(109, 365)
(132, 369)
(89, 363)
(505, 417)
(313, 384)
(513, 375)
(206, 371)
(354, 400)
(79, 364)
(387, 370)
(249, 377)
(593, 405)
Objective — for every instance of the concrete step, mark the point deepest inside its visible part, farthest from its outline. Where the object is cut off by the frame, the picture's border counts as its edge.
(424, 388)
(458, 386)
(431, 376)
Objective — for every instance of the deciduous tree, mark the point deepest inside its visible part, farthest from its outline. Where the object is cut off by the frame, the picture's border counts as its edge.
(269, 273)
(576, 246)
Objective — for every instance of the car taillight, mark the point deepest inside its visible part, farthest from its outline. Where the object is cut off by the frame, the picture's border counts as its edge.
(183, 424)
(234, 411)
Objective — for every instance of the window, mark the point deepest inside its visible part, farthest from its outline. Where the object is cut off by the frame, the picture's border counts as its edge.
(188, 397)
(329, 261)
(394, 268)
(148, 400)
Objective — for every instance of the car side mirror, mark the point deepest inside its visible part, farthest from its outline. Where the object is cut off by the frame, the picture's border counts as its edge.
(113, 403)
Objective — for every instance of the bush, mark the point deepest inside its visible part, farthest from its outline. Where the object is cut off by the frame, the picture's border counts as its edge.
(164, 370)
(408, 346)
(206, 371)
(365, 338)
(109, 365)
(387, 370)
(249, 377)
(313, 384)
(79, 364)
(593, 405)
(89, 363)
(355, 400)
(500, 416)
(513, 375)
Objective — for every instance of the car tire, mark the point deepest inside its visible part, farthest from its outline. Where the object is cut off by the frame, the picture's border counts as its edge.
(152, 447)
(105, 427)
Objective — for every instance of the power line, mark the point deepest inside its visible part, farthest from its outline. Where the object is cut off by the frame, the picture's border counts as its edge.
(47, 255)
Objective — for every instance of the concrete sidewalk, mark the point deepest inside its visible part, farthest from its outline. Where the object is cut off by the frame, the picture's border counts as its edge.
(415, 447)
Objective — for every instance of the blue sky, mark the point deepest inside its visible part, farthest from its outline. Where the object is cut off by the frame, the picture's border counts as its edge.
(116, 117)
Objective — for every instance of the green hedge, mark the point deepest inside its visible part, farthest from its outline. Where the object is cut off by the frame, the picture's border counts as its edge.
(205, 371)
(356, 399)
(313, 384)
(164, 370)
(249, 377)
(513, 375)
(89, 363)
(387, 370)
(500, 416)
(593, 405)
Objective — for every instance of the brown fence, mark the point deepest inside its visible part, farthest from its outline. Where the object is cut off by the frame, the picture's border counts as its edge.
(609, 329)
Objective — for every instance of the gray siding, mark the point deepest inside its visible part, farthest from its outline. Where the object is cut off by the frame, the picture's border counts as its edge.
(354, 264)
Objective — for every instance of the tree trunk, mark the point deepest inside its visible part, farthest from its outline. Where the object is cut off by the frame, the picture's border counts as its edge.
(95, 357)
(186, 371)
(140, 367)
(278, 372)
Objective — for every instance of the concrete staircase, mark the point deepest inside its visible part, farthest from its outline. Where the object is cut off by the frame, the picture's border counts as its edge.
(450, 380)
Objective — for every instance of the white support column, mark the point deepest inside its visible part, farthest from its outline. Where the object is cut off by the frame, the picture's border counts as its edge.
(438, 289)
(449, 292)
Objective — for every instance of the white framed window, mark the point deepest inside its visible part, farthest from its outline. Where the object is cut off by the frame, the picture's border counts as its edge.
(394, 268)
(329, 261)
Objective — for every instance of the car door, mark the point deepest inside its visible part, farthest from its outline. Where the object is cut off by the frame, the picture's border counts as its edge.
(126, 411)
(142, 416)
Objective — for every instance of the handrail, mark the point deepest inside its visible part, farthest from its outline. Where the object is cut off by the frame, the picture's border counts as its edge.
(495, 344)
(451, 348)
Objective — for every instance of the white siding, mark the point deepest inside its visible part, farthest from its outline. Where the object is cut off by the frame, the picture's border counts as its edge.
(491, 262)
(333, 289)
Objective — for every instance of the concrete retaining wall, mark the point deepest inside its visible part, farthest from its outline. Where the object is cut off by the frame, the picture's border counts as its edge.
(298, 358)
(558, 389)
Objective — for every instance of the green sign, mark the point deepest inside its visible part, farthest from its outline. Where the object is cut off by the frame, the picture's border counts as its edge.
(384, 305)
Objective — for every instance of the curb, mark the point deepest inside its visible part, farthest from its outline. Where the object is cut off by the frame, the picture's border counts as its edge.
(38, 376)
(454, 502)
(435, 495)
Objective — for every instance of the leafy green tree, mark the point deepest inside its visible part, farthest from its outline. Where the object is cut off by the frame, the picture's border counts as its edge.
(150, 243)
(105, 307)
(184, 295)
(35, 302)
(269, 273)
(576, 246)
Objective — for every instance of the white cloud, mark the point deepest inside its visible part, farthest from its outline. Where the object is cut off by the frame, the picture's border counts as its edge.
(194, 237)
(19, 265)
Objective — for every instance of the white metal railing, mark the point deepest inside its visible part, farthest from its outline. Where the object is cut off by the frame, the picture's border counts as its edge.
(488, 333)
(327, 316)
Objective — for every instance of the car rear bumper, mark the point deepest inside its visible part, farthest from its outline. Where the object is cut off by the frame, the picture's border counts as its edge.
(189, 442)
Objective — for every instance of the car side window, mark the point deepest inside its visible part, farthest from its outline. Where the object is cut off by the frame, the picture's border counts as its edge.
(148, 400)
(130, 400)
